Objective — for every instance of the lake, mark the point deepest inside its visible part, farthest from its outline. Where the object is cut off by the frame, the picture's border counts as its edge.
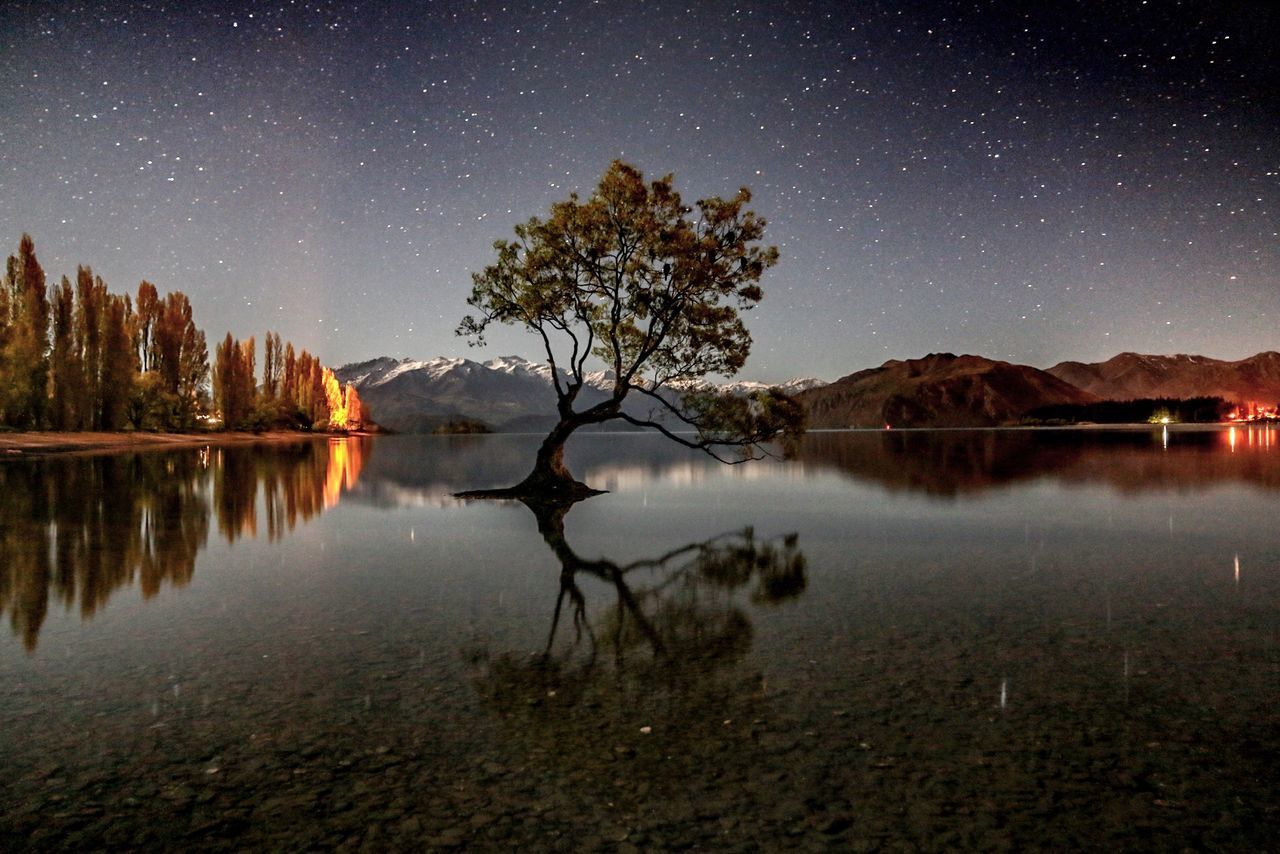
(909, 639)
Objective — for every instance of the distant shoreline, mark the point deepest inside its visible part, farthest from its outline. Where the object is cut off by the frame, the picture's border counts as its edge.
(1130, 426)
(22, 446)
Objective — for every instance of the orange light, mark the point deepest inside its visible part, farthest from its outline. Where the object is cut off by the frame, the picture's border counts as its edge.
(346, 459)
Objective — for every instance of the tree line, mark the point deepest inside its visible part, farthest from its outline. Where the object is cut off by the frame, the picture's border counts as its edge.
(1194, 410)
(78, 357)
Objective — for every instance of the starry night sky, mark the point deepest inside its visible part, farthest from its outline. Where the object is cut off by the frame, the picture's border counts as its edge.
(1033, 182)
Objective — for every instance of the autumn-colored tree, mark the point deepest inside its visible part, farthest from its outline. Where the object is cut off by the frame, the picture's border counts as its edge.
(6, 335)
(118, 362)
(272, 366)
(302, 388)
(313, 405)
(289, 378)
(247, 376)
(629, 278)
(24, 354)
(148, 314)
(233, 381)
(226, 365)
(91, 300)
(66, 367)
(78, 357)
(179, 355)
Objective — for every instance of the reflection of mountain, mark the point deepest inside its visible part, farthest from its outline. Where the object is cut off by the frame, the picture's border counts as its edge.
(664, 649)
(940, 390)
(427, 470)
(80, 528)
(949, 463)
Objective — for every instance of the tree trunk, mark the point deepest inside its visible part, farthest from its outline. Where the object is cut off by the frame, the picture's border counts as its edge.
(550, 482)
(550, 478)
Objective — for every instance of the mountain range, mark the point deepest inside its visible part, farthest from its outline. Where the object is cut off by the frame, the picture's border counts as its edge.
(1133, 375)
(507, 394)
(512, 394)
(940, 390)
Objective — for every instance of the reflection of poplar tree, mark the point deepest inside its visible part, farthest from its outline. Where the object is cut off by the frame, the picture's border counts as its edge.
(25, 573)
(235, 491)
(177, 521)
(78, 529)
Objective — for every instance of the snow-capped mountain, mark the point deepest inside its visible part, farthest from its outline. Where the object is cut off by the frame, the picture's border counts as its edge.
(791, 386)
(415, 396)
(508, 393)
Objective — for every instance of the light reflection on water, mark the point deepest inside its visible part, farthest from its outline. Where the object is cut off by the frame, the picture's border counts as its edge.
(955, 639)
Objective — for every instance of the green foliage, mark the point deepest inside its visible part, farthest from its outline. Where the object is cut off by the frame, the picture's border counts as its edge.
(630, 277)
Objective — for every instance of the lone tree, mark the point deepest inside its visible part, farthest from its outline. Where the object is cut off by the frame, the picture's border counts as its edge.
(630, 277)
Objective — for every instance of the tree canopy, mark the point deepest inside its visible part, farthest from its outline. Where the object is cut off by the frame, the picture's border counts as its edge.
(654, 290)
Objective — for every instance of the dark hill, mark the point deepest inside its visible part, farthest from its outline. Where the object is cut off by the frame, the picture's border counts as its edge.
(1130, 376)
(940, 390)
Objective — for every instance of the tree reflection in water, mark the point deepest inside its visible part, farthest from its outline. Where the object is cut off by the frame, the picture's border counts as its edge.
(76, 529)
(661, 655)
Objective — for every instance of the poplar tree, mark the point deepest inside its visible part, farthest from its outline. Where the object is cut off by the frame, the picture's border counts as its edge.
(8, 391)
(289, 379)
(148, 313)
(272, 366)
(226, 363)
(118, 362)
(233, 382)
(24, 360)
(66, 368)
(179, 356)
(91, 297)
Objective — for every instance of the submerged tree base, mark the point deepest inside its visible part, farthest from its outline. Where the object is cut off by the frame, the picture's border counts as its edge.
(541, 492)
(550, 482)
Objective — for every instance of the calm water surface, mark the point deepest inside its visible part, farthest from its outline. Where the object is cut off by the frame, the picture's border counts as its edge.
(930, 640)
